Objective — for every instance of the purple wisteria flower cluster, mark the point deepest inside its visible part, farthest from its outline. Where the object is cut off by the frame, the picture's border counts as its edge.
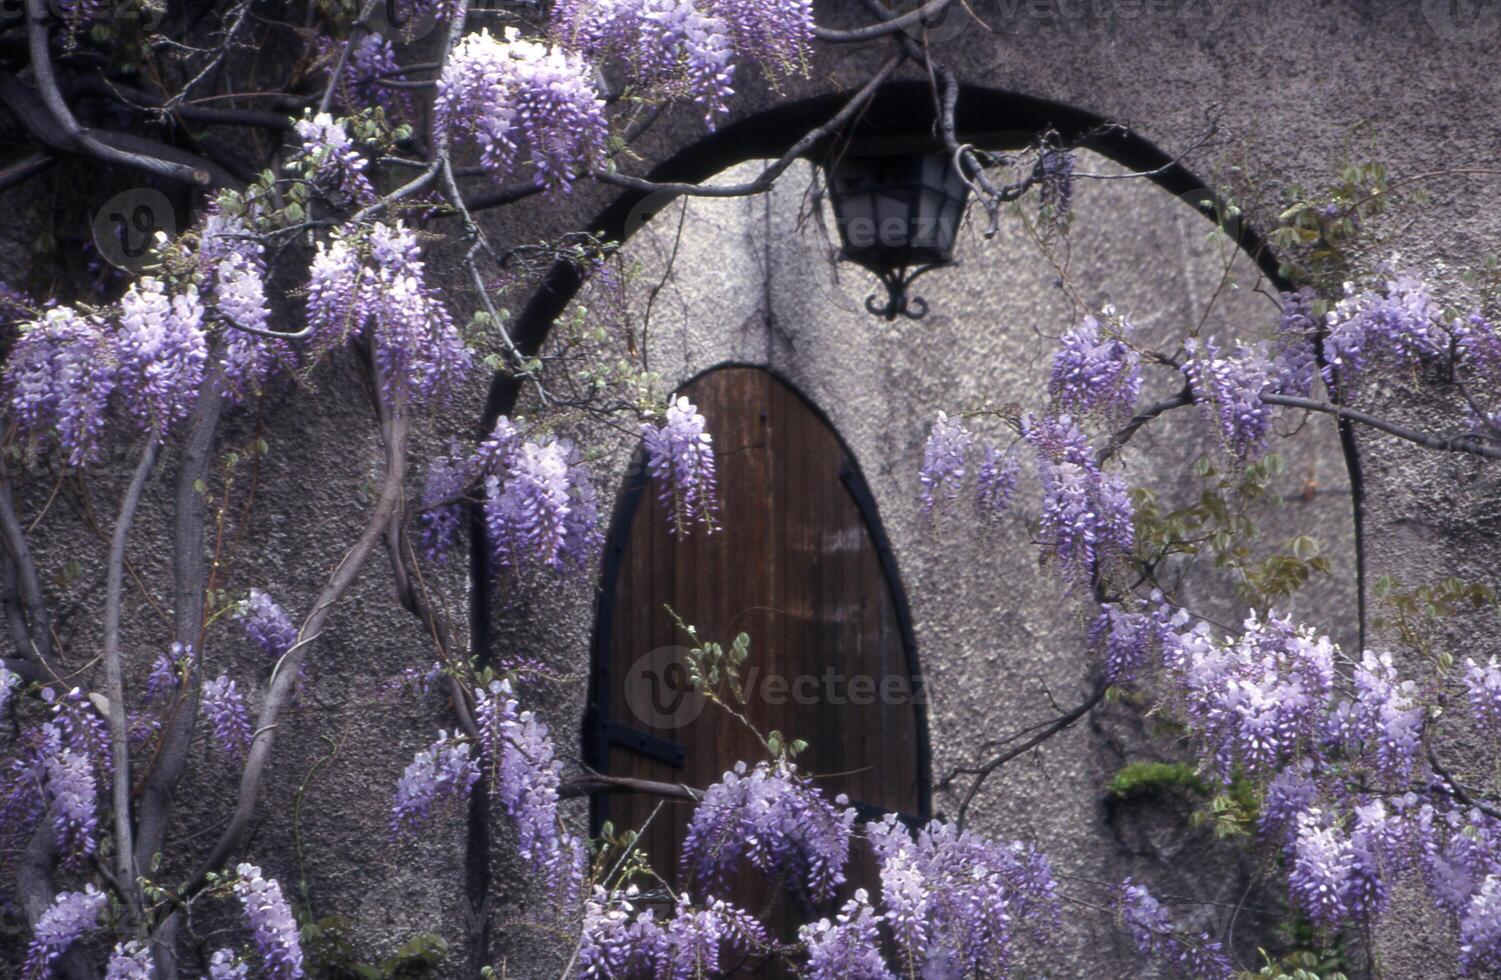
(539, 503)
(1400, 322)
(221, 703)
(441, 517)
(271, 922)
(267, 624)
(680, 457)
(507, 93)
(1087, 518)
(690, 48)
(516, 755)
(57, 772)
(1153, 932)
(444, 771)
(331, 159)
(372, 61)
(376, 281)
(224, 965)
(1228, 388)
(60, 376)
(946, 465)
(955, 902)
(70, 916)
(149, 353)
(1294, 360)
(130, 961)
(1096, 370)
(773, 817)
(525, 775)
(1336, 747)
(162, 352)
(849, 947)
(621, 943)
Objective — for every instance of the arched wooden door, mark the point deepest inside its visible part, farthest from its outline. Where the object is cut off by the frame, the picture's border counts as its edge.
(801, 565)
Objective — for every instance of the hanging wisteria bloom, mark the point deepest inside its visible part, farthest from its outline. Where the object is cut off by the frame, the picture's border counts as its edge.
(59, 376)
(505, 94)
(539, 502)
(1154, 934)
(775, 818)
(239, 295)
(1478, 342)
(72, 794)
(680, 457)
(525, 775)
(1386, 717)
(166, 673)
(1480, 930)
(1400, 322)
(687, 49)
(1323, 862)
(944, 461)
(444, 771)
(849, 948)
(222, 705)
(331, 158)
(1096, 370)
(162, 350)
(995, 481)
(271, 923)
(333, 289)
(418, 349)
(68, 918)
(1294, 362)
(618, 941)
(267, 624)
(419, 352)
(1483, 684)
(955, 902)
(441, 518)
(130, 961)
(1228, 388)
(224, 965)
(371, 61)
(1086, 520)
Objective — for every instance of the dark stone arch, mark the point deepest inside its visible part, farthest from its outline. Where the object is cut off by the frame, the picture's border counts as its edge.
(897, 109)
(901, 108)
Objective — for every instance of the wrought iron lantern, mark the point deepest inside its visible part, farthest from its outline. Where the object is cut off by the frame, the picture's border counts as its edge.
(898, 213)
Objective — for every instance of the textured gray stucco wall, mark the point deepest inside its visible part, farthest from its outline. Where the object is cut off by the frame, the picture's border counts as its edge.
(1301, 86)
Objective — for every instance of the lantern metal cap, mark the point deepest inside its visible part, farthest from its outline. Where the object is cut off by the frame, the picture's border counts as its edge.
(897, 205)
